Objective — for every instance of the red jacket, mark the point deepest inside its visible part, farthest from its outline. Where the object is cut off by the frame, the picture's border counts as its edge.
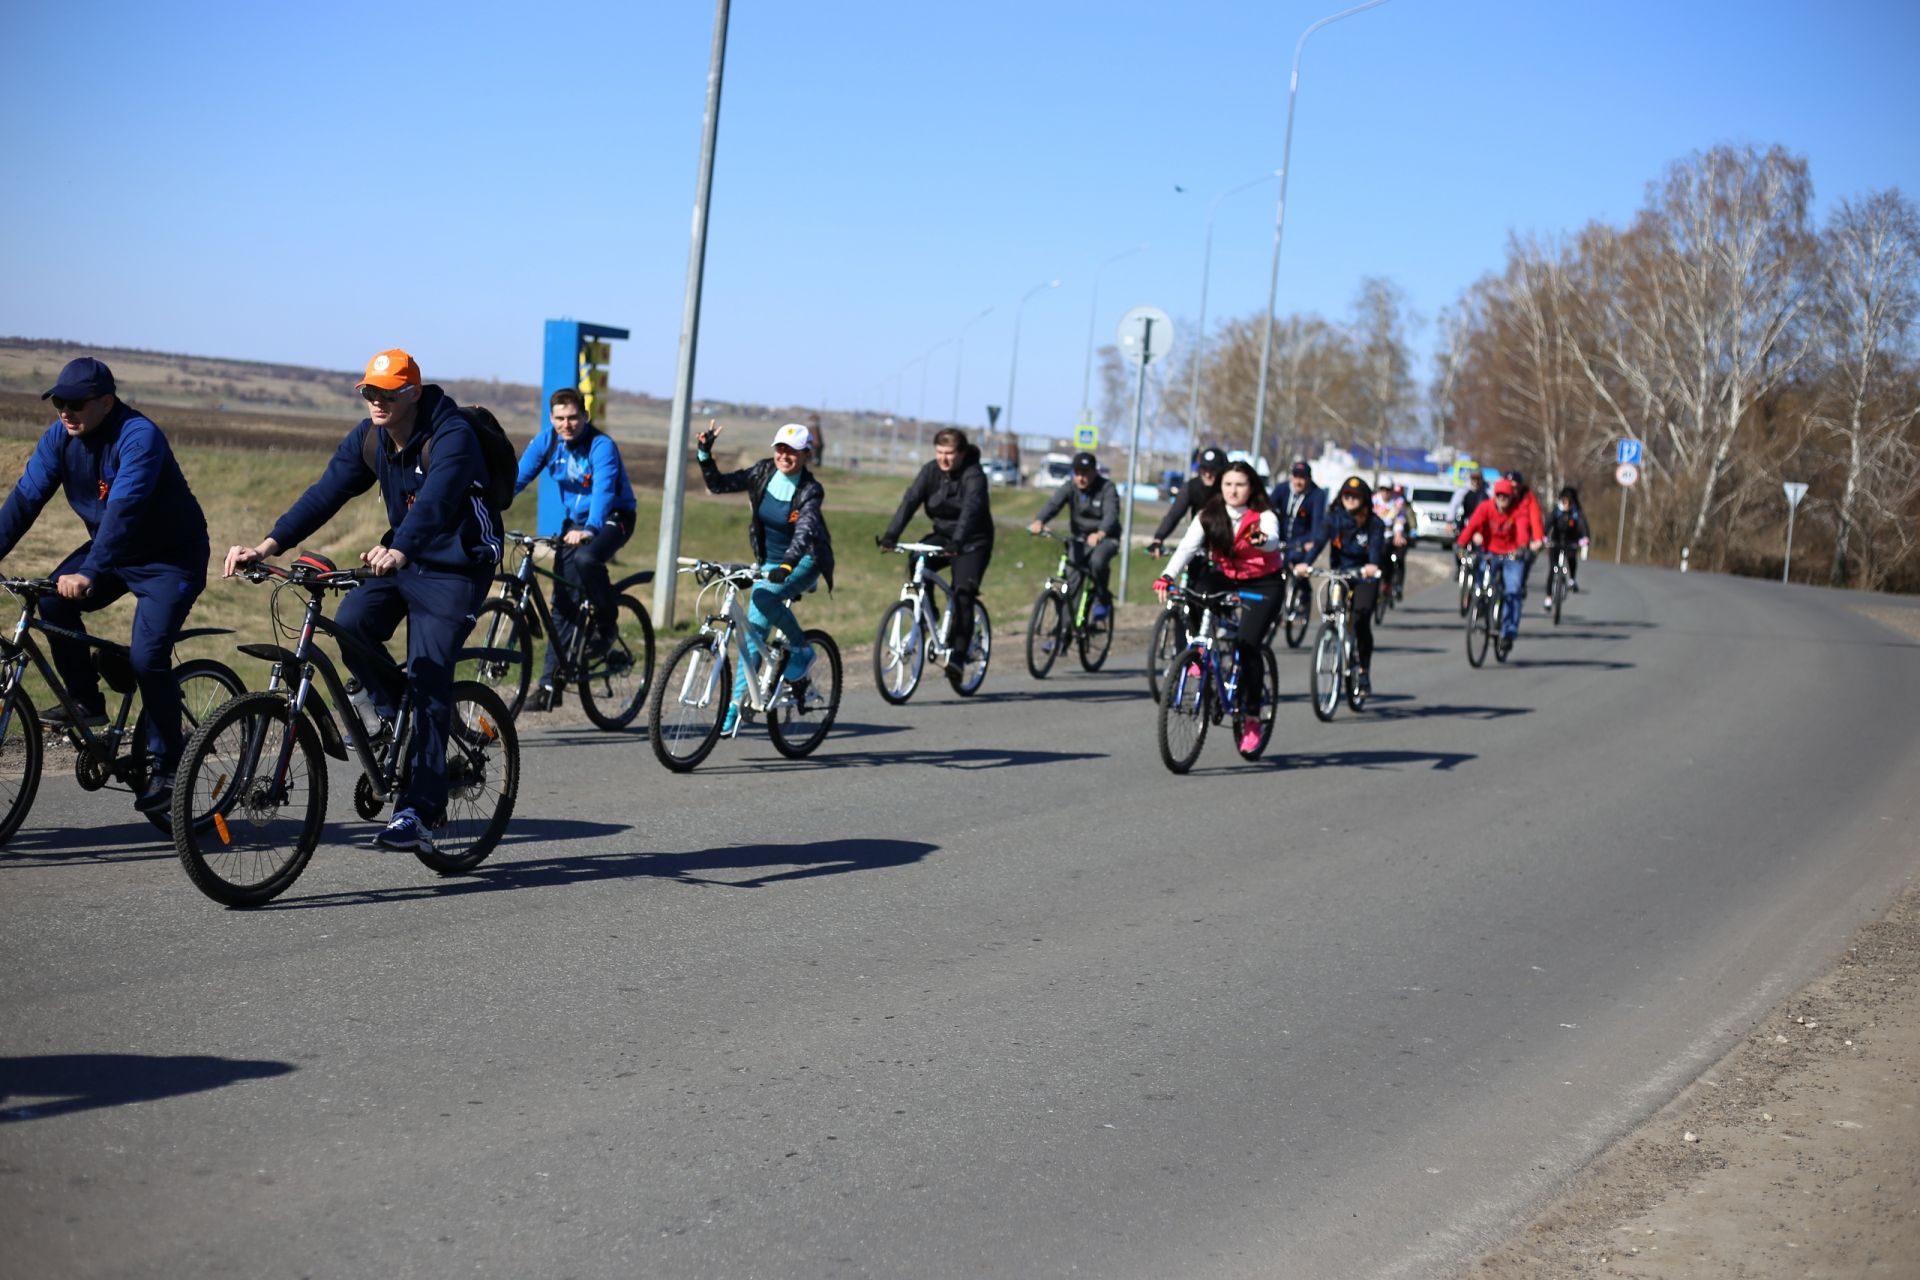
(1505, 532)
(1249, 562)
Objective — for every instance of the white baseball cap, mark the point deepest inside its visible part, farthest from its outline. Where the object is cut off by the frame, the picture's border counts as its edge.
(795, 436)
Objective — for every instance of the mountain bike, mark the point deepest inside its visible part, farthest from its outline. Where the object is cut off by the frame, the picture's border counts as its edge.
(1201, 686)
(612, 679)
(1336, 660)
(256, 765)
(1486, 614)
(690, 702)
(912, 633)
(1299, 608)
(1558, 576)
(113, 753)
(1066, 614)
(1463, 575)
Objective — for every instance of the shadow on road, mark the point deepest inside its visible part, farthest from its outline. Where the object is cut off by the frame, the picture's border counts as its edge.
(73, 1082)
(1437, 760)
(1136, 690)
(1598, 664)
(1435, 710)
(954, 758)
(803, 862)
(122, 842)
(532, 830)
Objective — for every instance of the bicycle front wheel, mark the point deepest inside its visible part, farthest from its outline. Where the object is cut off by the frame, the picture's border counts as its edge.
(1466, 596)
(483, 780)
(798, 722)
(1183, 710)
(1326, 672)
(501, 629)
(205, 686)
(1299, 615)
(1559, 590)
(21, 754)
(1095, 640)
(1045, 630)
(899, 655)
(689, 702)
(259, 830)
(1169, 642)
(1479, 630)
(1356, 696)
(614, 686)
(973, 669)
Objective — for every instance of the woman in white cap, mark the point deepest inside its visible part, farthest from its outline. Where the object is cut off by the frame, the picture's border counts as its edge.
(788, 534)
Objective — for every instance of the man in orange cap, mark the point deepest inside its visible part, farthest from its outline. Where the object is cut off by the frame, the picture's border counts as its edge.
(434, 563)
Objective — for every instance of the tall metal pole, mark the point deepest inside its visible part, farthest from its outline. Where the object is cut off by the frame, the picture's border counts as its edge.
(953, 419)
(1013, 368)
(1621, 539)
(1133, 458)
(1791, 508)
(1093, 306)
(1200, 343)
(926, 365)
(674, 484)
(1280, 219)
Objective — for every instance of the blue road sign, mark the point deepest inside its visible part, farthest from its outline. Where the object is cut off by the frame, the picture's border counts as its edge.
(1630, 451)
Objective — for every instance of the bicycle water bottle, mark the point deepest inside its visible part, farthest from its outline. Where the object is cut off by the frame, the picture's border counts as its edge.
(363, 707)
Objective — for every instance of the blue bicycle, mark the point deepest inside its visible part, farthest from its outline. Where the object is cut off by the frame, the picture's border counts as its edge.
(1201, 686)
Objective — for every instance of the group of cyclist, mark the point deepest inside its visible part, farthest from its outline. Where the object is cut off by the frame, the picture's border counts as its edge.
(438, 468)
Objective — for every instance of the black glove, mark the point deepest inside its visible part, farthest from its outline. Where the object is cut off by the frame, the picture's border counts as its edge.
(1155, 548)
(883, 542)
(704, 441)
(778, 573)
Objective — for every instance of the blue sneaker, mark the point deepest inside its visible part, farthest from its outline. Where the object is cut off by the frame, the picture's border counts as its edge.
(800, 664)
(732, 720)
(1100, 612)
(405, 831)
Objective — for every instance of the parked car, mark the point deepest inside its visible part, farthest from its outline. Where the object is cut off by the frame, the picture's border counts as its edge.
(1430, 507)
(1002, 471)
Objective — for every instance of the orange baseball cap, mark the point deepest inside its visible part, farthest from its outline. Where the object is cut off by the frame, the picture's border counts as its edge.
(390, 371)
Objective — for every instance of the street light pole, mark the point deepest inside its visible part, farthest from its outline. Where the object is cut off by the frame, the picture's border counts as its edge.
(959, 355)
(926, 364)
(674, 484)
(1280, 217)
(1014, 368)
(1093, 306)
(1200, 341)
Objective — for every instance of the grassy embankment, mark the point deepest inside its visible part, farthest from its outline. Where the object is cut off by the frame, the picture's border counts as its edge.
(244, 490)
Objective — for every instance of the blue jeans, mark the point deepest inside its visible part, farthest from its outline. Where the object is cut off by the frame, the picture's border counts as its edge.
(767, 608)
(1514, 585)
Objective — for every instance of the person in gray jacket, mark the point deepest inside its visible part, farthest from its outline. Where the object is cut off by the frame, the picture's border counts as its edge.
(1093, 508)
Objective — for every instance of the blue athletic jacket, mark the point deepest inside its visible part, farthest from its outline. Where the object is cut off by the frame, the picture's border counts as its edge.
(1309, 524)
(592, 479)
(121, 479)
(438, 516)
(1356, 543)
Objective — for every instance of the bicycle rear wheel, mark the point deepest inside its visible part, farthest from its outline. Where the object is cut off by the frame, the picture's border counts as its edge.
(1299, 613)
(683, 720)
(614, 686)
(258, 831)
(973, 670)
(500, 626)
(483, 780)
(1095, 640)
(1045, 630)
(899, 653)
(1169, 642)
(1263, 713)
(1325, 677)
(1183, 708)
(798, 724)
(1479, 630)
(21, 755)
(205, 686)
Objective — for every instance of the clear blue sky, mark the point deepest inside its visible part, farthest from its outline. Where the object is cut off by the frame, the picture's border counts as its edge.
(313, 183)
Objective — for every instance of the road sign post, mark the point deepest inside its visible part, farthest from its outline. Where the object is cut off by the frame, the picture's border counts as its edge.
(1795, 492)
(1628, 474)
(1145, 335)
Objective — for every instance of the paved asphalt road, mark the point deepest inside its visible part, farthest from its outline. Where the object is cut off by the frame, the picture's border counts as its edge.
(982, 989)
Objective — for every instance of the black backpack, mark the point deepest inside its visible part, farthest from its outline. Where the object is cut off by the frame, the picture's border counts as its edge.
(503, 464)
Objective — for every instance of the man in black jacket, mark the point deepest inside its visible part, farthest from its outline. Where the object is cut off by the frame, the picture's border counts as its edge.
(953, 488)
(1193, 495)
(1093, 504)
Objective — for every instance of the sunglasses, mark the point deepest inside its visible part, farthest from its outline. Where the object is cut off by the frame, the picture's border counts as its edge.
(381, 394)
(61, 404)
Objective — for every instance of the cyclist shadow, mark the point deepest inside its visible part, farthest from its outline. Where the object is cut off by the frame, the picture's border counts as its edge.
(955, 758)
(1427, 711)
(1070, 693)
(122, 842)
(1438, 761)
(1598, 664)
(1405, 648)
(71, 1082)
(700, 868)
(529, 830)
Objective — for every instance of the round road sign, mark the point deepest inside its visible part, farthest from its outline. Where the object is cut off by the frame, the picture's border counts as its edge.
(1140, 340)
(1627, 474)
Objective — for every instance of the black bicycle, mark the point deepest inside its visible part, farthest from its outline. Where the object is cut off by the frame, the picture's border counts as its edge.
(1487, 611)
(1067, 614)
(1202, 685)
(1299, 611)
(257, 766)
(1559, 578)
(111, 753)
(612, 678)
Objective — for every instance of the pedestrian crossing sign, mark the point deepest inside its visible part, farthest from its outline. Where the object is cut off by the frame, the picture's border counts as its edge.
(1086, 436)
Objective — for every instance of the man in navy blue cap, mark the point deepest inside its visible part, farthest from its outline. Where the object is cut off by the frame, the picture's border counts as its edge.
(146, 535)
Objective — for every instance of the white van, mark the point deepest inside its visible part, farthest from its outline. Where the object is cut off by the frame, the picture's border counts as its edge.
(1431, 503)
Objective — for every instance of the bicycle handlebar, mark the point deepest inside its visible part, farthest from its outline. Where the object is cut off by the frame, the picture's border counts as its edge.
(532, 540)
(710, 571)
(259, 571)
(30, 586)
(917, 548)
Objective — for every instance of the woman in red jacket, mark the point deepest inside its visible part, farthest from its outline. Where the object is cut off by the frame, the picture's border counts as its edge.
(1241, 535)
(1505, 527)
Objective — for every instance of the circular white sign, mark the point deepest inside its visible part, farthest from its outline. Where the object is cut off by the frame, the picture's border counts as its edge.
(1627, 474)
(1140, 339)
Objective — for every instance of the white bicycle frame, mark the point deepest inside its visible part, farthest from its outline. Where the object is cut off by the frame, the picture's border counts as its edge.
(915, 589)
(728, 624)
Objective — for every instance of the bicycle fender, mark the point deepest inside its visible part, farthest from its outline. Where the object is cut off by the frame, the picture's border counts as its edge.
(322, 716)
(639, 579)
